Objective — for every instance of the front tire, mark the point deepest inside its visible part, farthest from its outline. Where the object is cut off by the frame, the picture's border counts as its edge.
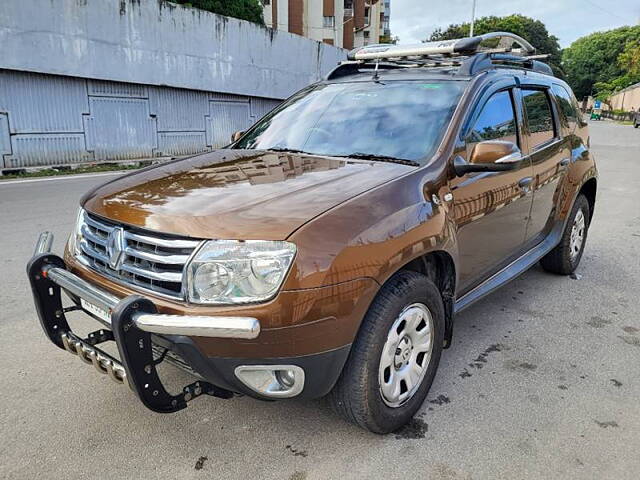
(565, 258)
(394, 358)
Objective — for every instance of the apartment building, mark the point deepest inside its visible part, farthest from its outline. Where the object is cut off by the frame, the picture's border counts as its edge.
(386, 27)
(343, 23)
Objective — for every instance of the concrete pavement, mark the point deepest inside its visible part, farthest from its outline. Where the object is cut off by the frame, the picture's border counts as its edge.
(542, 380)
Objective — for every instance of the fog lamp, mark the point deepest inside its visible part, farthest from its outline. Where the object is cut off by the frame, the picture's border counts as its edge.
(275, 381)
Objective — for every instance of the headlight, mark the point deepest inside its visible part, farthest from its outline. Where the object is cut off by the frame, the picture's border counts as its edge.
(76, 235)
(225, 272)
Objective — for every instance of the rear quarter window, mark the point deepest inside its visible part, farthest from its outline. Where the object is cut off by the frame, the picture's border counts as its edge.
(569, 115)
(539, 117)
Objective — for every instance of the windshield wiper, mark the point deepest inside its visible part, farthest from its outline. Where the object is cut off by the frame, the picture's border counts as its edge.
(380, 158)
(285, 150)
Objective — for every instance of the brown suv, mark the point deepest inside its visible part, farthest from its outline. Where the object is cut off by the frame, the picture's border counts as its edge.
(327, 250)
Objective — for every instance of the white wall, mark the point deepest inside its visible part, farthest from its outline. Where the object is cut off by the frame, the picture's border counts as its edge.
(154, 42)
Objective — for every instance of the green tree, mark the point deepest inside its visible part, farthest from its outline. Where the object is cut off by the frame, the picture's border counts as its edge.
(528, 28)
(250, 10)
(629, 59)
(599, 58)
(389, 39)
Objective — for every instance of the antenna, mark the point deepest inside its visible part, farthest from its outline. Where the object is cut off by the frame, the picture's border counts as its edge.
(375, 71)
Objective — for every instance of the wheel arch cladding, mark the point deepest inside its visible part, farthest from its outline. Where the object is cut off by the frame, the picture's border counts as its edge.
(440, 267)
(589, 190)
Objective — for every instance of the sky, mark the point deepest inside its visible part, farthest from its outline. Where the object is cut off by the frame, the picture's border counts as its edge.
(414, 20)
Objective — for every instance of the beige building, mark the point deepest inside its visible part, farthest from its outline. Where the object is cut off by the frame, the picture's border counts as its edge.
(374, 22)
(343, 23)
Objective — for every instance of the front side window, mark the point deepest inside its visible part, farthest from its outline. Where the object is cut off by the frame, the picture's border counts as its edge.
(539, 117)
(496, 121)
(399, 119)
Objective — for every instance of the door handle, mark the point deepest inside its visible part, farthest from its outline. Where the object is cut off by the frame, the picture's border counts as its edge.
(565, 161)
(525, 182)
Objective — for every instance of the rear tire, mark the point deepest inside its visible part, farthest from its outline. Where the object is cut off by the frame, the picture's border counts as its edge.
(410, 305)
(565, 258)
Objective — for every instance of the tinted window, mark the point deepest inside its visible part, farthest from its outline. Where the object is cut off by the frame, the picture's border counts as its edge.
(496, 121)
(397, 119)
(568, 112)
(539, 117)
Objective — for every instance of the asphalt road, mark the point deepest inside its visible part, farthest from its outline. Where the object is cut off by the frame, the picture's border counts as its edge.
(542, 381)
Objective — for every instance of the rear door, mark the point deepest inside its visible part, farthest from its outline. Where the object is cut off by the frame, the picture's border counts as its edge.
(491, 208)
(550, 153)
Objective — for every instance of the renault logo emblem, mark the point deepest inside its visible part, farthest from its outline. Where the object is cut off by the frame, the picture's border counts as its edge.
(116, 245)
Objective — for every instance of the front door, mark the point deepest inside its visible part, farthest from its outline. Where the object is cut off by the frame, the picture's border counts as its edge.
(491, 209)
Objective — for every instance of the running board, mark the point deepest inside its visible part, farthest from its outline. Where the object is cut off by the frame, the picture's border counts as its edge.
(511, 271)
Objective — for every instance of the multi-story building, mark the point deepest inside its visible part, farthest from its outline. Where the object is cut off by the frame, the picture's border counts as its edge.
(343, 23)
(373, 29)
(386, 15)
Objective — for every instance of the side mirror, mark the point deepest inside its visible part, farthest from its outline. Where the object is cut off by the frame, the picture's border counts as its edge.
(490, 156)
(236, 136)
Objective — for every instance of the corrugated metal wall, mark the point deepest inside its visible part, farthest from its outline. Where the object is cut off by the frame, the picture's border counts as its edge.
(54, 120)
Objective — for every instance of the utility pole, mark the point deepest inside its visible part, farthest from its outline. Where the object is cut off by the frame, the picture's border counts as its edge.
(473, 18)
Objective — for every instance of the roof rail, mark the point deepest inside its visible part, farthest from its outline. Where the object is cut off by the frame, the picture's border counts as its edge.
(462, 46)
(487, 61)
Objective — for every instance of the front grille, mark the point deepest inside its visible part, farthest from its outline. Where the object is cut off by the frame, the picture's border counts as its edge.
(149, 261)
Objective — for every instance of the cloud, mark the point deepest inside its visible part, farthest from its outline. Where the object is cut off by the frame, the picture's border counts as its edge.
(415, 20)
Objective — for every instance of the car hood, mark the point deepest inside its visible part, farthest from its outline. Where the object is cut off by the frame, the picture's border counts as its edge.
(236, 194)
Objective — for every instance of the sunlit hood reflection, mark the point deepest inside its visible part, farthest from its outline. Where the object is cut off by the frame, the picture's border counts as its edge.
(244, 194)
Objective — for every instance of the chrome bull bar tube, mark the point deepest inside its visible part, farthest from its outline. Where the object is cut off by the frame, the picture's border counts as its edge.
(44, 243)
(80, 288)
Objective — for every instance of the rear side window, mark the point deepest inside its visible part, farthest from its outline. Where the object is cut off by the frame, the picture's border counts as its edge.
(539, 117)
(568, 112)
(496, 121)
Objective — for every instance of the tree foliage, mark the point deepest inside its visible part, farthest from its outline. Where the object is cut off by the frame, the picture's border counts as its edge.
(528, 28)
(389, 39)
(629, 59)
(250, 10)
(603, 61)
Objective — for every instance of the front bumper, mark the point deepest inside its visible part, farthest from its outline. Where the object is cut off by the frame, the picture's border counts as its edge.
(145, 338)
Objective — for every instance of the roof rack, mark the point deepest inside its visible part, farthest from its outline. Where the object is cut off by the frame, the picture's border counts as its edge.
(503, 41)
(470, 55)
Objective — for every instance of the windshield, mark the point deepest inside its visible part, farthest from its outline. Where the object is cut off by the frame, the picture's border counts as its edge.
(400, 119)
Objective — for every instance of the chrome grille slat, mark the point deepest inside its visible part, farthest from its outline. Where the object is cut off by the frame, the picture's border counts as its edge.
(152, 263)
(160, 276)
(97, 224)
(88, 234)
(159, 258)
(92, 252)
(162, 242)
